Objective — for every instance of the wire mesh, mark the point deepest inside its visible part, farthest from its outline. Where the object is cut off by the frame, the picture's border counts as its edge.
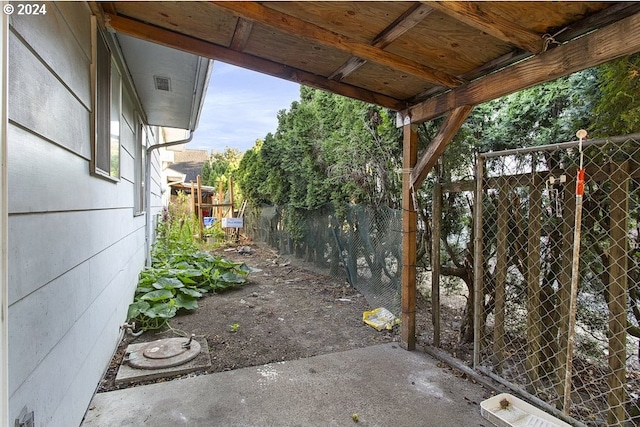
(358, 244)
(583, 362)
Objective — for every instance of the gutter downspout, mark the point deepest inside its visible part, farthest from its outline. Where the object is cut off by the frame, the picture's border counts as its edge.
(147, 192)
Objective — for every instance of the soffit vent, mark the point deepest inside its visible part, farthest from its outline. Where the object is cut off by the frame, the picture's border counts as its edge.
(162, 83)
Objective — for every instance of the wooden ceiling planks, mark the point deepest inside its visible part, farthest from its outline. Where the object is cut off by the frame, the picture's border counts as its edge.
(611, 42)
(210, 50)
(199, 19)
(409, 19)
(485, 20)
(444, 42)
(317, 58)
(307, 30)
(395, 54)
(359, 20)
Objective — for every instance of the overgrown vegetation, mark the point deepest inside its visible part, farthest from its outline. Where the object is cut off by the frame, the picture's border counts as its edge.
(334, 150)
(180, 273)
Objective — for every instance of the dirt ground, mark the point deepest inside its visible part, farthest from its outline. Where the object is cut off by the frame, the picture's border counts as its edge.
(283, 312)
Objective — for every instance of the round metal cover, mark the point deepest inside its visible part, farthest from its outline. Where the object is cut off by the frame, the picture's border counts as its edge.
(165, 353)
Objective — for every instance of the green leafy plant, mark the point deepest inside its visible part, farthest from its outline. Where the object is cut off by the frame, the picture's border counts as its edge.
(234, 327)
(179, 275)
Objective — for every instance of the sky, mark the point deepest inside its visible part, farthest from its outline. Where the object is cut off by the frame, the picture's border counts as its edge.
(240, 107)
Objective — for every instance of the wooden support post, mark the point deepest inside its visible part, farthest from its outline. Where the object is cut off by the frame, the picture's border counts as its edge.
(192, 200)
(501, 274)
(436, 219)
(564, 290)
(199, 204)
(409, 242)
(220, 200)
(534, 330)
(478, 266)
(231, 196)
(618, 256)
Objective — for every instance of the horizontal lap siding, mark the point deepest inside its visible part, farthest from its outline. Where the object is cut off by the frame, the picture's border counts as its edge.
(75, 246)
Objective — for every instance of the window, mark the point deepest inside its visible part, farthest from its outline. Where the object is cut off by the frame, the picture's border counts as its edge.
(107, 111)
(141, 155)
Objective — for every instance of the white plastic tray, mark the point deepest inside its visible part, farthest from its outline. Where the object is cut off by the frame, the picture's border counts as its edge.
(517, 413)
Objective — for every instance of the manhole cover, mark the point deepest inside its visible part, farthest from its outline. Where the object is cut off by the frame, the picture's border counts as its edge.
(164, 353)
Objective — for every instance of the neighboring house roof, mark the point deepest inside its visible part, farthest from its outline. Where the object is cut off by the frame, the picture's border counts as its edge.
(189, 163)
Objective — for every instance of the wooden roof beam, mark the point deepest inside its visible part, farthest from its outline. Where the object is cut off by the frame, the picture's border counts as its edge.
(412, 17)
(289, 24)
(434, 150)
(477, 15)
(614, 41)
(601, 19)
(213, 51)
(241, 35)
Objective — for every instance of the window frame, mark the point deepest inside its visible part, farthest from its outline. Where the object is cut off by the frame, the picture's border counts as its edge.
(106, 114)
(142, 142)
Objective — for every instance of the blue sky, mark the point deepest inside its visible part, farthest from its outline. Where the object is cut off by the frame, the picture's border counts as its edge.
(240, 107)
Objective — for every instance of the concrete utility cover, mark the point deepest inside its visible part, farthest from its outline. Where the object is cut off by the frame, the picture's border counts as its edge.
(164, 353)
(167, 358)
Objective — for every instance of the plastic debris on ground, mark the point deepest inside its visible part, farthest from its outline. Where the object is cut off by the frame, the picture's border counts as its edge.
(380, 318)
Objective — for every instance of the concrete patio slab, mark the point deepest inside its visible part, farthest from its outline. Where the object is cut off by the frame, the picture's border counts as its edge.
(383, 384)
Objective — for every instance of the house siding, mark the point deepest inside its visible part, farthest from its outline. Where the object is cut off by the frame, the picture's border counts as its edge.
(75, 244)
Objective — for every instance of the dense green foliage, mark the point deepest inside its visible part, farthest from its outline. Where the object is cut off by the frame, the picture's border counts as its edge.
(180, 273)
(327, 149)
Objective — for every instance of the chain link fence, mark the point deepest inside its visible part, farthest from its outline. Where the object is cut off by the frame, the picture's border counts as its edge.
(357, 244)
(557, 276)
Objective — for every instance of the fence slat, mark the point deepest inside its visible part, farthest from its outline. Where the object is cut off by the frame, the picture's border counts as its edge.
(533, 285)
(435, 262)
(501, 275)
(619, 198)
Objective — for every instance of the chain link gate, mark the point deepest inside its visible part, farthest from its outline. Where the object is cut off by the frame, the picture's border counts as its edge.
(524, 324)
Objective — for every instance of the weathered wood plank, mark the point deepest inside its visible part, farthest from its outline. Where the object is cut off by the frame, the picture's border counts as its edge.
(412, 17)
(534, 330)
(241, 35)
(409, 239)
(436, 221)
(213, 51)
(309, 31)
(401, 25)
(483, 19)
(616, 40)
(447, 131)
(502, 225)
(618, 274)
(203, 20)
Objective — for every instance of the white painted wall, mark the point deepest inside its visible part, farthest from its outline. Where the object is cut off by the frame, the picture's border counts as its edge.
(4, 282)
(75, 244)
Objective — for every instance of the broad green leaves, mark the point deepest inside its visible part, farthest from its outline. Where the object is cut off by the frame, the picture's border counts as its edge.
(179, 276)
